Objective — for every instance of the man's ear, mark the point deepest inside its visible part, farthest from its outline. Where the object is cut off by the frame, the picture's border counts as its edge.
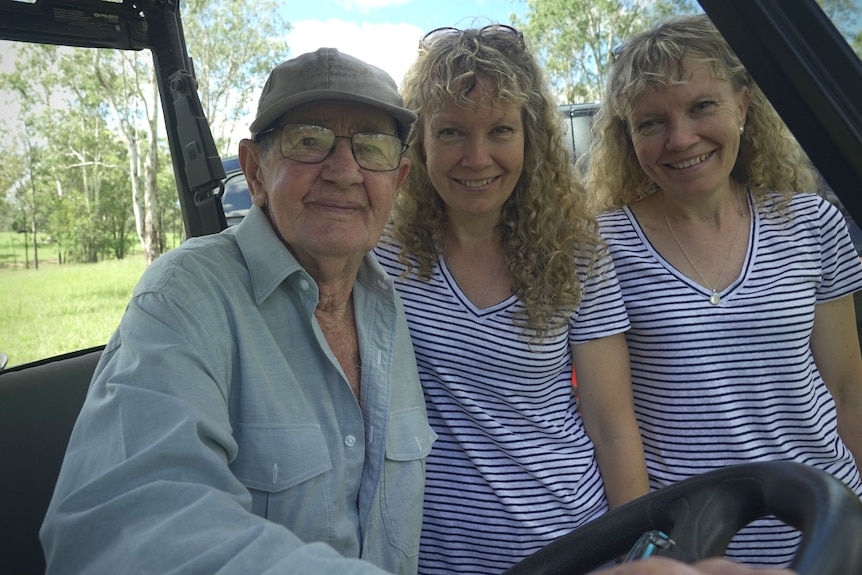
(250, 162)
(403, 170)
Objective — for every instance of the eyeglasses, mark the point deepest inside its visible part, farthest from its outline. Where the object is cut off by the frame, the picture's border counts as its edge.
(617, 51)
(312, 144)
(492, 30)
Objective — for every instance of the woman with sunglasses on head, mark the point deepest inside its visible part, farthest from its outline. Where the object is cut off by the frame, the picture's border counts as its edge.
(739, 288)
(505, 289)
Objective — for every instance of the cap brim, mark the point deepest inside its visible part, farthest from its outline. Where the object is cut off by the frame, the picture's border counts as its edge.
(267, 117)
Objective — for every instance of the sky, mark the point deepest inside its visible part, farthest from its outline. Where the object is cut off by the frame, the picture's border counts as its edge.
(386, 32)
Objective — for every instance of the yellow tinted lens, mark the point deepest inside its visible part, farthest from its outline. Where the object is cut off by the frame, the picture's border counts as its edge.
(376, 151)
(306, 142)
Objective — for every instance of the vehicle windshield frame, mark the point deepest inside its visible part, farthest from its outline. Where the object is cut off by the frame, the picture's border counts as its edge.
(810, 75)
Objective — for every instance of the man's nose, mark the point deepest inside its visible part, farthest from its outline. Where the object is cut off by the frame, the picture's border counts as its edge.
(341, 164)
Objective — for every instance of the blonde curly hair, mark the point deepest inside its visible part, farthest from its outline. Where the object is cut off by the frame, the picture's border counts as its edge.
(769, 157)
(544, 225)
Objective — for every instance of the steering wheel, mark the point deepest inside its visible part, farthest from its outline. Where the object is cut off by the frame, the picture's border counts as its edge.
(702, 513)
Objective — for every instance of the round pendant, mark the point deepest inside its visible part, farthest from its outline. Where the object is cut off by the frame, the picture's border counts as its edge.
(714, 299)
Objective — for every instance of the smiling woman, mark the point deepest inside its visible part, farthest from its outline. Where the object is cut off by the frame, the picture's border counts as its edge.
(738, 280)
(505, 289)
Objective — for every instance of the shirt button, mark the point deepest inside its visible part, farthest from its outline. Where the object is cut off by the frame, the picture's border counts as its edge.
(350, 441)
(304, 285)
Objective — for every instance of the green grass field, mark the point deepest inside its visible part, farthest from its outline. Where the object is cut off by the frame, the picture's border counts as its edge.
(61, 308)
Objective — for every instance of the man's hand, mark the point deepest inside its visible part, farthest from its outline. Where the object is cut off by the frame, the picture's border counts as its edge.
(662, 566)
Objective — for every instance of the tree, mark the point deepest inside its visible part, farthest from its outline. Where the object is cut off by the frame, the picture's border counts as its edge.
(110, 124)
(846, 17)
(92, 213)
(575, 38)
(69, 120)
(234, 44)
(29, 181)
(128, 86)
(9, 167)
(28, 197)
(68, 141)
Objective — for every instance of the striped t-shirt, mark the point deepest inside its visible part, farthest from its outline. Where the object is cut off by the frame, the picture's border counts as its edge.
(512, 468)
(716, 385)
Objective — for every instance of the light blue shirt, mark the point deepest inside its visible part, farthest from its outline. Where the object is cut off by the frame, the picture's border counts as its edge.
(221, 435)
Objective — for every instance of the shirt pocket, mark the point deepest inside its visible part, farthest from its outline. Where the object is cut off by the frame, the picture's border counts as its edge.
(284, 466)
(408, 444)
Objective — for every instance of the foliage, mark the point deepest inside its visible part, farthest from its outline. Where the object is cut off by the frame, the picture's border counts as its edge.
(90, 166)
(68, 184)
(170, 213)
(234, 44)
(846, 17)
(575, 38)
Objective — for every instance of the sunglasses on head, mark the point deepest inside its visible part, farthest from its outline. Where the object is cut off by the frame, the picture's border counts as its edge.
(491, 31)
(617, 51)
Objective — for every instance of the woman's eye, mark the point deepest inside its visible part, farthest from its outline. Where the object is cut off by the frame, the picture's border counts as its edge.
(503, 131)
(703, 106)
(448, 134)
(648, 127)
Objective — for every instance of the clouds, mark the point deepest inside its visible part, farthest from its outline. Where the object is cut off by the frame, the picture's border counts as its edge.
(385, 33)
(388, 45)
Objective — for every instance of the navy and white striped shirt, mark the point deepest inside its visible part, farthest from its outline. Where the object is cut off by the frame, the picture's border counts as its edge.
(512, 468)
(716, 385)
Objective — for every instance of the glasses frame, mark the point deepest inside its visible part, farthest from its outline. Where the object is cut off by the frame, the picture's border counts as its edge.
(335, 139)
(503, 30)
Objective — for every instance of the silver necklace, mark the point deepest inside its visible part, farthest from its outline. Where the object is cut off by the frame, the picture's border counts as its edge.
(714, 298)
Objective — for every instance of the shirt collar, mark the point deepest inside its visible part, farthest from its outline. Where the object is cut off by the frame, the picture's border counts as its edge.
(270, 262)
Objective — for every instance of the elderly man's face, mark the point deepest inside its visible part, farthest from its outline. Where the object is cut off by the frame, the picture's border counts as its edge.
(334, 210)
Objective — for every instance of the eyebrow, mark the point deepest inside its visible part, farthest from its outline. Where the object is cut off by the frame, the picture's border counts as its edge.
(360, 126)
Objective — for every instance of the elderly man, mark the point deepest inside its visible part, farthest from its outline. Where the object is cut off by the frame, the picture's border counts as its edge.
(258, 409)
